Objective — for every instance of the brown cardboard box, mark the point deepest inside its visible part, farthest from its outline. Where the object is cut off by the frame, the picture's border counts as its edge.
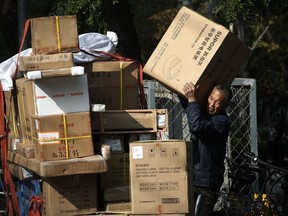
(195, 49)
(84, 165)
(158, 173)
(70, 195)
(46, 62)
(62, 72)
(48, 97)
(117, 194)
(117, 142)
(54, 34)
(142, 136)
(20, 172)
(13, 142)
(118, 207)
(26, 107)
(114, 83)
(12, 113)
(25, 150)
(129, 121)
(118, 172)
(58, 137)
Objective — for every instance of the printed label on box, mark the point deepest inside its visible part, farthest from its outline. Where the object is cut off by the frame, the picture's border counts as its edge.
(137, 152)
(45, 137)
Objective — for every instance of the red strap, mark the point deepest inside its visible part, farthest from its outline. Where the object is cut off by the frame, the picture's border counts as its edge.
(121, 58)
(12, 205)
(36, 206)
(27, 23)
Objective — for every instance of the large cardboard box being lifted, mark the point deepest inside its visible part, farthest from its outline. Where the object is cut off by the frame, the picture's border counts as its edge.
(195, 49)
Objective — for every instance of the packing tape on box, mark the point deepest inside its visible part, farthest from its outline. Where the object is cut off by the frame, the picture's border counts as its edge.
(39, 74)
(58, 34)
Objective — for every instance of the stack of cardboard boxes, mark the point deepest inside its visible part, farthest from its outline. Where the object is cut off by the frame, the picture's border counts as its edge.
(52, 113)
(58, 129)
(61, 120)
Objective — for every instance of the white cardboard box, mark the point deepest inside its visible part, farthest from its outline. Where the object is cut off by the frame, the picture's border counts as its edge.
(57, 95)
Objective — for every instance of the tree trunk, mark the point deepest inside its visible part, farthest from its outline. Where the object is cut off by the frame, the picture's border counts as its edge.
(120, 20)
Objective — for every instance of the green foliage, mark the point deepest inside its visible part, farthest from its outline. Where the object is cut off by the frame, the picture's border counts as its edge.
(234, 10)
(89, 14)
(268, 62)
(151, 21)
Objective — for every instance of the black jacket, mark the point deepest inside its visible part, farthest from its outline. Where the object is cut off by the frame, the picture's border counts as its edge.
(278, 136)
(209, 134)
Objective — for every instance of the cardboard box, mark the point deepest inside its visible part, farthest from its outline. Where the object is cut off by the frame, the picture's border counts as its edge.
(57, 95)
(84, 165)
(118, 207)
(130, 121)
(70, 195)
(58, 137)
(195, 49)
(50, 96)
(118, 173)
(12, 113)
(114, 83)
(46, 62)
(25, 150)
(158, 173)
(62, 72)
(117, 142)
(26, 107)
(13, 142)
(20, 172)
(117, 194)
(54, 34)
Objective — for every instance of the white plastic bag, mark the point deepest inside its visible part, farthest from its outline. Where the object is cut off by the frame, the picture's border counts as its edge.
(98, 42)
(88, 42)
(8, 68)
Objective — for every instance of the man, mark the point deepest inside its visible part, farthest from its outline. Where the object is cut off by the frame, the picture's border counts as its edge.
(209, 132)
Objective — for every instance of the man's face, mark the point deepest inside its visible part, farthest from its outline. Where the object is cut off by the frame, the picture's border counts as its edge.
(216, 102)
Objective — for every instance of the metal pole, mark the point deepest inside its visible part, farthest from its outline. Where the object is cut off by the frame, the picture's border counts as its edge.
(23, 8)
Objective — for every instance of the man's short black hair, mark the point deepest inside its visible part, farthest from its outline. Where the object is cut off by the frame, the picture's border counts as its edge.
(227, 91)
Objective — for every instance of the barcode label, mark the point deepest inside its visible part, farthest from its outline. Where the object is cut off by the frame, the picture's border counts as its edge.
(170, 200)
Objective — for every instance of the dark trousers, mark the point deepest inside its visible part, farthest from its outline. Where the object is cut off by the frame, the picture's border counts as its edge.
(205, 199)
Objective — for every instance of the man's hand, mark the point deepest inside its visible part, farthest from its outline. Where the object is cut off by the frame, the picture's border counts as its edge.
(189, 91)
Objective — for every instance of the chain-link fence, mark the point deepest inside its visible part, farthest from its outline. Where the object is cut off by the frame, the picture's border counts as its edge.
(242, 112)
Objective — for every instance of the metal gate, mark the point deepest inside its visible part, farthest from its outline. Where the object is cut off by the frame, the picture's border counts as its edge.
(242, 112)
